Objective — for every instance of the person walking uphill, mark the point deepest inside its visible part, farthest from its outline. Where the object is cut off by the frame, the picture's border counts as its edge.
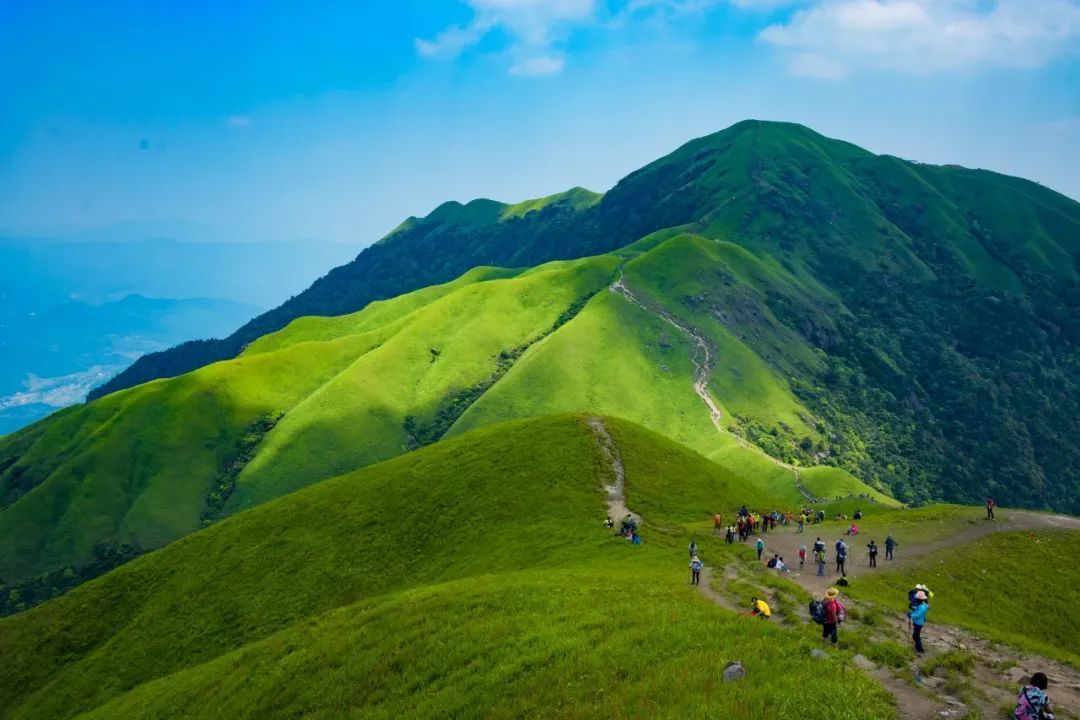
(872, 550)
(822, 561)
(695, 570)
(917, 618)
(834, 615)
(760, 545)
(990, 505)
(693, 548)
(841, 556)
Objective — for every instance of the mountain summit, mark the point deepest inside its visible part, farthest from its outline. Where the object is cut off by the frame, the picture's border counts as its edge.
(815, 318)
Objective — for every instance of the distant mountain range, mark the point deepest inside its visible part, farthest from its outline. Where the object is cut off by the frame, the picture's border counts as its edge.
(74, 314)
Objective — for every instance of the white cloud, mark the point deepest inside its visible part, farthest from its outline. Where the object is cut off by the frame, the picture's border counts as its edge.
(539, 65)
(534, 25)
(238, 121)
(835, 37)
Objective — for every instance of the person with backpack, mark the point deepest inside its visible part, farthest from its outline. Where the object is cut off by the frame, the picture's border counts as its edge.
(990, 505)
(695, 570)
(760, 545)
(818, 545)
(890, 546)
(822, 561)
(835, 614)
(802, 556)
(1033, 702)
(872, 549)
(841, 556)
(693, 548)
(917, 618)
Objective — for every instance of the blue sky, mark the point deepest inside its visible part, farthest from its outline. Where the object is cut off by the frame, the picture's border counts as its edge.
(336, 120)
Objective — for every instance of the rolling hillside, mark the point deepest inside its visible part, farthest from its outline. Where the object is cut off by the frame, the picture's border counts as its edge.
(466, 578)
(920, 312)
(816, 319)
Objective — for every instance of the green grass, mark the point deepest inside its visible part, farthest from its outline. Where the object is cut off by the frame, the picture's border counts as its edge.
(460, 579)
(1016, 588)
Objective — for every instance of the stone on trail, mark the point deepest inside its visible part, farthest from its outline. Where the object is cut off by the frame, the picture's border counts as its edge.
(863, 663)
(819, 654)
(1016, 674)
(734, 671)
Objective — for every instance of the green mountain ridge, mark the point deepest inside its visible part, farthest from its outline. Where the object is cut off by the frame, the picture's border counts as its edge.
(872, 325)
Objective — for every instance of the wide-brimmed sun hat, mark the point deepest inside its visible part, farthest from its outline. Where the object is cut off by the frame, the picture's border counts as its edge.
(831, 593)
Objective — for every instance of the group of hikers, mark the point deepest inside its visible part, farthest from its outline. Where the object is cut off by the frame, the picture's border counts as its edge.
(748, 523)
(628, 529)
(829, 612)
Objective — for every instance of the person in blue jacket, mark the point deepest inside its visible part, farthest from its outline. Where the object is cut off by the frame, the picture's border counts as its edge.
(917, 618)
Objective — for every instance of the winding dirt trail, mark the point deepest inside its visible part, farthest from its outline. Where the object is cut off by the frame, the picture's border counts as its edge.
(616, 491)
(702, 361)
(702, 367)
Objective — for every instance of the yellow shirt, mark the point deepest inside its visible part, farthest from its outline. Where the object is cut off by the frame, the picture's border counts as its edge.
(762, 608)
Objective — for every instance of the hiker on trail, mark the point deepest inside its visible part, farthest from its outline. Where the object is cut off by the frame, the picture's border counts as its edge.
(853, 530)
(821, 561)
(693, 548)
(990, 505)
(917, 618)
(695, 570)
(802, 521)
(716, 523)
(872, 549)
(1034, 703)
(760, 608)
(802, 556)
(781, 566)
(841, 556)
(743, 512)
(890, 545)
(772, 561)
(760, 545)
(742, 529)
(834, 615)
(818, 545)
(729, 537)
(821, 516)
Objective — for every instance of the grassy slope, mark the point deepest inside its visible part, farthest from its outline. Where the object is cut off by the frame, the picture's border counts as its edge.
(463, 578)
(359, 417)
(1036, 597)
(144, 461)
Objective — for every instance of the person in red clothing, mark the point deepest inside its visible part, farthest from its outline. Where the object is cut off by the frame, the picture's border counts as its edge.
(717, 523)
(990, 505)
(834, 615)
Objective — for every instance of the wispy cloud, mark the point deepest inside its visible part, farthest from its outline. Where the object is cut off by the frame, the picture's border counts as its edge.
(836, 37)
(535, 26)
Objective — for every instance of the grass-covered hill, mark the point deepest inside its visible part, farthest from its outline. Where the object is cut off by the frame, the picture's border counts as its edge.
(469, 578)
(143, 467)
(926, 315)
(800, 311)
